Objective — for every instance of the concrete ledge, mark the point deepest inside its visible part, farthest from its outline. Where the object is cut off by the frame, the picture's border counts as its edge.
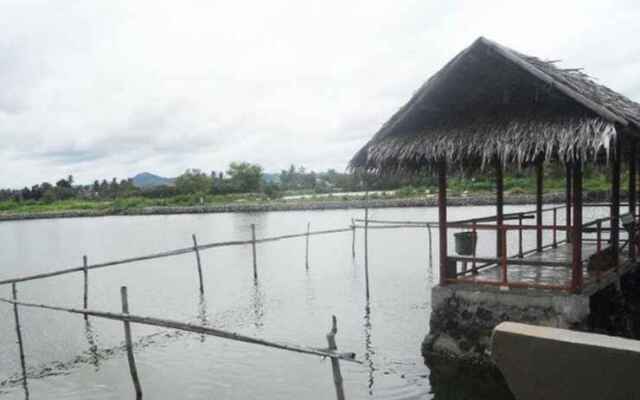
(550, 363)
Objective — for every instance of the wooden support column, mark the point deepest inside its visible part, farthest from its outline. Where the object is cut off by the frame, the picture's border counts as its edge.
(499, 207)
(129, 344)
(576, 231)
(442, 219)
(615, 194)
(633, 195)
(567, 194)
(539, 190)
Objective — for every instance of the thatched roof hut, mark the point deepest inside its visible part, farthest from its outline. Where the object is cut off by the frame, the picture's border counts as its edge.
(491, 102)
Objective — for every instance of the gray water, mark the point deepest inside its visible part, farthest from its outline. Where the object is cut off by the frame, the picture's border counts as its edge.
(70, 359)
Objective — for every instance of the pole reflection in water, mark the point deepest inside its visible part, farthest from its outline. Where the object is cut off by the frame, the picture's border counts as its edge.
(369, 353)
(91, 336)
(203, 316)
(258, 305)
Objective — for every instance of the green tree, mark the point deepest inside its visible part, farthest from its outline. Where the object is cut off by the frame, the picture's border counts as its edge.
(193, 181)
(245, 177)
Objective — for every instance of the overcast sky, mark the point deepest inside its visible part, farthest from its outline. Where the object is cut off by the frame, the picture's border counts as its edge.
(102, 89)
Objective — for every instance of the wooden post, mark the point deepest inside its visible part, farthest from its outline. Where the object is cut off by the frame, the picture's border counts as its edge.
(127, 337)
(195, 249)
(503, 255)
(567, 194)
(442, 219)
(253, 249)
(306, 258)
(615, 196)
(633, 195)
(85, 271)
(335, 363)
(499, 206)
(539, 190)
(576, 231)
(520, 251)
(555, 228)
(366, 241)
(475, 235)
(353, 238)
(14, 291)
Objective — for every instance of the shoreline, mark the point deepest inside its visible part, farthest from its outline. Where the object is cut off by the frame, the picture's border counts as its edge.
(431, 201)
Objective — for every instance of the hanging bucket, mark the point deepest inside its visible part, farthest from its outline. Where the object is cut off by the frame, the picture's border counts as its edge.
(466, 243)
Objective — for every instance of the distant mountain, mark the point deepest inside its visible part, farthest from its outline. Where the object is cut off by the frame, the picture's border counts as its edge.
(148, 180)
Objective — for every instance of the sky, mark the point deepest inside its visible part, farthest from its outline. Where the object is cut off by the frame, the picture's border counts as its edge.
(102, 89)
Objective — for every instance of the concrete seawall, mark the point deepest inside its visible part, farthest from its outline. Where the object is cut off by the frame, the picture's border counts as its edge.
(550, 364)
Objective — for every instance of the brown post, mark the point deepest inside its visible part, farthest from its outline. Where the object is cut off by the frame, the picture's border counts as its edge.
(503, 256)
(86, 283)
(253, 250)
(14, 292)
(499, 206)
(576, 232)
(195, 249)
(539, 190)
(335, 363)
(568, 201)
(555, 227)
(127, 336)
(615, 195)
(442, 218)
(633, 196)
(520, 251)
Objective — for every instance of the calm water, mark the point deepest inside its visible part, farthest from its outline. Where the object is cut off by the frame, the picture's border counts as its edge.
(70, 359)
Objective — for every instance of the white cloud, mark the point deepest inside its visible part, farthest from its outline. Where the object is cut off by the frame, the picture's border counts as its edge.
(103, 89)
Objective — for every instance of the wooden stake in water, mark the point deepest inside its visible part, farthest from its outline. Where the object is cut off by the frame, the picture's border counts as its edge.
(195, 249)
(85, 264)
(19, 334)
(353, 238)
(366, 241)
(127, 337)
(306, 258)
(335, 364)
(253, 248)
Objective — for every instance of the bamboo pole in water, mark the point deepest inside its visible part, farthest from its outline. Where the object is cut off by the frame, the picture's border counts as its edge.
(86, 283)
(205, 330)
(366, 241)
(195, 249)
(353, 238)
(335, 363)
(307, 245)
(127, 337)
(14, 292)
(253, 249)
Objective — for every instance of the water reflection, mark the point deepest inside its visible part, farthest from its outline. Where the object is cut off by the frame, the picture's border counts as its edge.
(454, 381)
(369, 353)
(203, 315)
(257, 299)
(91, 336)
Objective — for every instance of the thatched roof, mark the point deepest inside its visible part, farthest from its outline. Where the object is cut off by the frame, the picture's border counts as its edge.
(491, 101)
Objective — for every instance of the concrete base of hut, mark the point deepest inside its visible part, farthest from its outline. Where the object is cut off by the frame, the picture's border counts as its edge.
(463, 318)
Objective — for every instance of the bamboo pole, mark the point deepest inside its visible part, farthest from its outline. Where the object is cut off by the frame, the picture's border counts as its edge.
(253, 249)
(163, 254)
(85, 271)
(307, 246)
(206, 330)
(195, 249)
(14, 292)
(335, 363)
(353, 238)
(127, 337)
(366, 241)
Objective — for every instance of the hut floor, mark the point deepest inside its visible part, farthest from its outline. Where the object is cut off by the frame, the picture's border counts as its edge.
(546, 275)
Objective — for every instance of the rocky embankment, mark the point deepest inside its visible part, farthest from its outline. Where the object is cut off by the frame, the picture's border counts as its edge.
(428, 201)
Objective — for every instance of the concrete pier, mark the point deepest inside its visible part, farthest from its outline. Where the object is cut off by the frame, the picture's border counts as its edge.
(464, 316)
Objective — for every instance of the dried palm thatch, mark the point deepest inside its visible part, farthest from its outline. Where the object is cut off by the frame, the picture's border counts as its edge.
(492, 102)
